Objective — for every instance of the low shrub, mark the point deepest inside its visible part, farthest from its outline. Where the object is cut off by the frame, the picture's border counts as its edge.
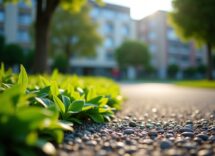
(35, 110)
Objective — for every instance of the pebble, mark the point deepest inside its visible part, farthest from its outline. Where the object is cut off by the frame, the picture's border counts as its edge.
(204, 137)
(165, 144)
(205, 153)
(148, 141)
(129, 131)
(187, 134)
(132, 135)
(132, 124)
(185, 129)
(212, 139)
(91, 143)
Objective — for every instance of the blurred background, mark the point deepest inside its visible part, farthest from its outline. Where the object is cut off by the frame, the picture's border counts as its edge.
(121, 39)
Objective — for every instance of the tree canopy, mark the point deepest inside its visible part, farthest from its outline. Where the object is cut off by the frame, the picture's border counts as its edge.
(44, 13)
(195, 20)
(76, 33)
(132, 53)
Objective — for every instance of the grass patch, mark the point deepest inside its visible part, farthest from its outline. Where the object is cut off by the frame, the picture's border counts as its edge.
(197, 83)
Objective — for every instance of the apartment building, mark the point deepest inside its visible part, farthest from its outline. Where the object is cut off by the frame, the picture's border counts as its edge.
(15, 21)
(115, 26)
(165, 46)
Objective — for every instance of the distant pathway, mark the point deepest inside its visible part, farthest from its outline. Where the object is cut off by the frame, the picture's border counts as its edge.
(166, 99)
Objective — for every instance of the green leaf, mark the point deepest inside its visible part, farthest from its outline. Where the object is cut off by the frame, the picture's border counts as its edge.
(2, 72)
(88, 106)
(75, 120)
(66, 101)
(44, 82)
(97, 117)
(55, 75)
(76, 106)
(95, 100)
(43, 92)
(40, 100)
(54, 88)
(59, 104)
(23, 78)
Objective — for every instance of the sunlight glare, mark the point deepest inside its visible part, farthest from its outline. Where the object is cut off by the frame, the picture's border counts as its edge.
(142, 8)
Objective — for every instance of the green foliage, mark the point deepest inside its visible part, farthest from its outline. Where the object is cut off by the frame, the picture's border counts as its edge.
(36, 109)
(197, 83)
(172, 70)
(190, 72)
(13, 55)
(61, 63)
(25, 128)
(194, 19)
(132, 53)
(76, 33)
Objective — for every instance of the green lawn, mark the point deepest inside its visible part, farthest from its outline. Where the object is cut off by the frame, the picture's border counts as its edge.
(197, 83)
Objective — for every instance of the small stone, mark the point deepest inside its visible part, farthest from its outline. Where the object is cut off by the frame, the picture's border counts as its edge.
(205, 153)
(130, 149)
(198, 140)
(189, 122)
(120, 145)
(132, 124)
(189, 146)
(165, 144)
(212, 139)
(153, 133)
(169, 135)
(128, 131)
(204, 137)
(185, 129)
(147, 141)
(91, 143)
(187, 134)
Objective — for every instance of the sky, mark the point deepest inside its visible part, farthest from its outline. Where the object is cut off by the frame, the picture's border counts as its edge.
(142, 8)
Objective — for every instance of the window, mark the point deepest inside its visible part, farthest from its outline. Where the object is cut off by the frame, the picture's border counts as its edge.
(152, 35)
(23, 36)
(2, 16)
(109, 42)
(109, 55)
(125, 30)
(171, 35)
(95, 12)
(123, 16)
(24, 19)
(152, 23)
(152, 48)
(108, 27)
(23, 5)
(109, 14)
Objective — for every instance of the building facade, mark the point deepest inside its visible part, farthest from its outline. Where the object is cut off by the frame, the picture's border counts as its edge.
(15, 23)
(164, 45)
(115, 26)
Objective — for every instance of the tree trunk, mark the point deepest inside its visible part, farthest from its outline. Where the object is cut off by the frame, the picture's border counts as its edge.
(41, 45)
(210, 62)
(44, 13)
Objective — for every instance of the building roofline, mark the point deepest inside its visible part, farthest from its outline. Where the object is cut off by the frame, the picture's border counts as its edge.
(158, 11)
(112, 6)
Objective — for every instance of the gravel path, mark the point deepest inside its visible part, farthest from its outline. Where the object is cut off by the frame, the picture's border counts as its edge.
(157, 119)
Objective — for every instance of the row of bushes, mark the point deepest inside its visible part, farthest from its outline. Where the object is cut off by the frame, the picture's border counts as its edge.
(36, 110)
(189, 72)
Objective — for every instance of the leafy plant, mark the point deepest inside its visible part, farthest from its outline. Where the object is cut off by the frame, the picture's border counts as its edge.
(35, 110)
